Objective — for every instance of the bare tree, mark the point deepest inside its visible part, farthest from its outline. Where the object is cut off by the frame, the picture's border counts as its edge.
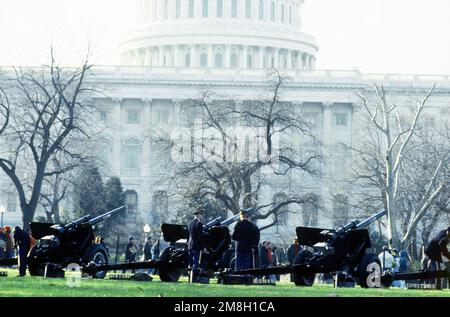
(387, 160)
(49, 112)
(234, 163)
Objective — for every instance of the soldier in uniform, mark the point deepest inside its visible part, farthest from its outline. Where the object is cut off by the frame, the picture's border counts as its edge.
(22, 242)
(246, 235)
(195, 241)
(437, 248)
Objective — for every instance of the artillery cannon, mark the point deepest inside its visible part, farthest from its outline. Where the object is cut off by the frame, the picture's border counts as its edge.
(337, 251)
(342, 251)
(61, 245)
(216, 238)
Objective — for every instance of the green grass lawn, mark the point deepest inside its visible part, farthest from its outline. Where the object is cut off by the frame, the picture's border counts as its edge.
(13, 286)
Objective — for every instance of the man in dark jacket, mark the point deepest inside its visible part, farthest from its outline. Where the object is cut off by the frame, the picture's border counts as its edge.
(131, 251)
(195, 242)
(22, 243)
(148, 249)
(293, 250)
(437, 248)
(246, 235)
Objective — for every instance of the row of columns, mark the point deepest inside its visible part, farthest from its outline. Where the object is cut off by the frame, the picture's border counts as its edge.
(191, 56)
(168, 10)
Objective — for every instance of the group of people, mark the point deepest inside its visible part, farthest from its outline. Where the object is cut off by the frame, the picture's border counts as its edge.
(6, 243)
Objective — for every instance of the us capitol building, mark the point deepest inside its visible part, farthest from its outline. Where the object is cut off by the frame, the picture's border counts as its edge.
(182, 47)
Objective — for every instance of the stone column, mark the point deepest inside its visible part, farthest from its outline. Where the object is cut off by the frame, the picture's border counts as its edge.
(226, 56)
(194, 62)
(116, 123)
(289, 60)
(176, 56)
(210, 56)
(261, 56)
(244, 53)
(146, 158)
(313, 63)
(307, 61)
(276, 55)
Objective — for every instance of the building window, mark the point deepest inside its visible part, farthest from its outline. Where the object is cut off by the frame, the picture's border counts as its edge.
(187, 60)
(311, 119)
(429, 122)
(105, 157)
(234, 8)
(203, 60)
(233, 60)
(103, 116)
(282, 13)
(11, 202)
(311, 210)
(178, 9)
(205, 9)
(248, 9)
(219, 8)
(191, 9)
(272, 12)
(261, 10)
(290, 15)
(283, 212)
(340, 120)
(249, 61)
(131, 200)
(218, 60)
(131, 157)
(161, 116)
(132, 116)
(340, 210)
(166, 9)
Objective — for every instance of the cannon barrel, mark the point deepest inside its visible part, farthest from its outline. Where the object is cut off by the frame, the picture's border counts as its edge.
(75, 222)
(230, 220)
(106, 215)
(361, 224)
(371, 219)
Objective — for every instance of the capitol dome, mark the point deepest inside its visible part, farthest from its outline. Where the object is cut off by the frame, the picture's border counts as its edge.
(225, 34)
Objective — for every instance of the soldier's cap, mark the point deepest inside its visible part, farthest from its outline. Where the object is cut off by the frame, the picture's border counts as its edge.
(245, 212)
(199, 211)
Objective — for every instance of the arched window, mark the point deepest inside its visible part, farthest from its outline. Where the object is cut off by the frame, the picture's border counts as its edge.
(261, 10)
(233, 60)
(131, 200)
(187, 60)
(282, 212)
(218, 60)
(310, 210)
(203, 60)
(340, 210)
(249, 61)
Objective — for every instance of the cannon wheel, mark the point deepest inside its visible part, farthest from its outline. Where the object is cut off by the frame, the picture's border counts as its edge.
(368, 265)
(168, 275)
(301, 279)
(97, 254)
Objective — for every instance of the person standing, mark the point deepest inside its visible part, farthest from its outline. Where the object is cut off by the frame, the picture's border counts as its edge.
(9, 244)
(195, 241)
(434, 251)
(293, 250)
(246, 235)
(22, 243)
(130, 252)
(148, 249)
(2, 243)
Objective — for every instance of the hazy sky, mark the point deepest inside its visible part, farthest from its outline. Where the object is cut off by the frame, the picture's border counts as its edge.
(397, 36)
